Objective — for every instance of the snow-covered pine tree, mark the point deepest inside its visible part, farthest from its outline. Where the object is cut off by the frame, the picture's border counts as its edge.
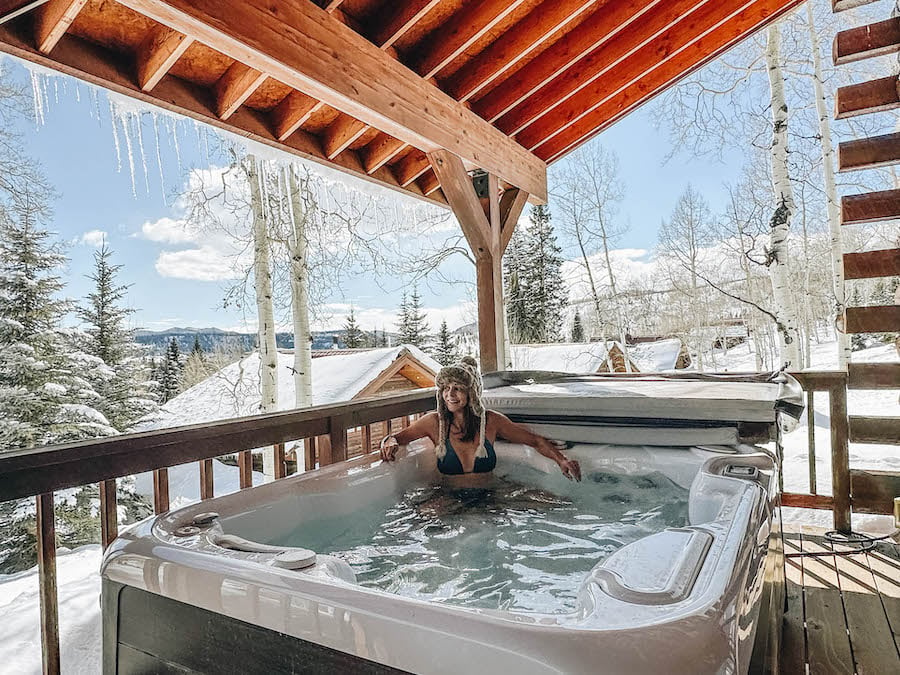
(120, 376)
(542, 278)
(170, 372)
(577, 328)
(445, 348)
(353, 335)
(413, 325)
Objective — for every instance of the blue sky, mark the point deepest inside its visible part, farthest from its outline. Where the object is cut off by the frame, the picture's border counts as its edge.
(76, 145)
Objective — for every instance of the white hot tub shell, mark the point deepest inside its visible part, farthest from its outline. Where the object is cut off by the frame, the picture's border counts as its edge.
(187, 592)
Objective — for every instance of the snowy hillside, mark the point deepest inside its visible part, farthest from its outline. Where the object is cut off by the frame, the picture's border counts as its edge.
(79, 583)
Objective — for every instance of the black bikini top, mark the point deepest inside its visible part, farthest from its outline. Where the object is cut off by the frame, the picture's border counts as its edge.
(450, 464)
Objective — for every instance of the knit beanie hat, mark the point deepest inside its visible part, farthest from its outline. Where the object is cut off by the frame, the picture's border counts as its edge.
(464, 372)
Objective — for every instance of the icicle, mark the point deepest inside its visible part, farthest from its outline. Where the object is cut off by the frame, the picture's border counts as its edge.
(138, 119)
(56, 90)
(162, 182)
(36, 96)
(113, 116)
(130, 151)
(177, 146)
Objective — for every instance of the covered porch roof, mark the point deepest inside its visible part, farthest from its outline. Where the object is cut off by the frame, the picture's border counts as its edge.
(372, 87)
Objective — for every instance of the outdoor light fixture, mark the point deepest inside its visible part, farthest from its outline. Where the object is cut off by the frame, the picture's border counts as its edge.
(480, 183)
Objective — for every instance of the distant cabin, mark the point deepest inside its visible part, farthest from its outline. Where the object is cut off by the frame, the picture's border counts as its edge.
(659, 355)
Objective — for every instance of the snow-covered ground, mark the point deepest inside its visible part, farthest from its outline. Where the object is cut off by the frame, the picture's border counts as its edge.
(79, 583)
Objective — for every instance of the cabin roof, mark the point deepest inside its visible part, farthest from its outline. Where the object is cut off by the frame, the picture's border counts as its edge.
(370, 87)
(576, 357)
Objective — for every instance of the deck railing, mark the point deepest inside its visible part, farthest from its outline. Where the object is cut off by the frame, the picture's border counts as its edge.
(40, 472)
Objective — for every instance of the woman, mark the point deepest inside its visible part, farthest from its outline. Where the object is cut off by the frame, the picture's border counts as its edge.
(463, 432)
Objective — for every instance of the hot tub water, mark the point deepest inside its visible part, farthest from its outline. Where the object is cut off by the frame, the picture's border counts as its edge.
(525, 543)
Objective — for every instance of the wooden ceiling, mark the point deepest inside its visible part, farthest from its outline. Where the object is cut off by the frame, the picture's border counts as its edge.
(372, 86)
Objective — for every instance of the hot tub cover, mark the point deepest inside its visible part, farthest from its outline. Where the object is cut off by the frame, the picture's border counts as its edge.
(695, 396)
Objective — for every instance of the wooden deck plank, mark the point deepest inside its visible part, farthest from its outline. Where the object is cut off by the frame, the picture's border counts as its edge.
(870, 633)
(826, 629)
(793, 636)
(884, 562)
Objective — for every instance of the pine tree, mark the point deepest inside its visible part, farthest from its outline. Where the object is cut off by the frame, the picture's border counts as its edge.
(413, 326)
(170, 372)
(541, 280)
(516, 293)
(197, 349)
(577, 328)
(353, 335)
(445, 349)
(120, 377)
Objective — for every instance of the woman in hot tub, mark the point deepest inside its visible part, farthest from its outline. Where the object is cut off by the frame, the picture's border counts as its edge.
(463, 432)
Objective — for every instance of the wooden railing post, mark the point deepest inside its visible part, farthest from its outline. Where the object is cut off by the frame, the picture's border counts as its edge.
(367, 439)
(245, 467)
(840, 455)
(337, 435)
(46, 554)
(206, 479)
(109, 516)
(279, 461)
(811, 439)
(161, 490)
(309, 450)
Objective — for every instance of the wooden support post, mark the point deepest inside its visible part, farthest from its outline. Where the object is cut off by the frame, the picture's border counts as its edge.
(46, 554)
(279, 461)
(367, 439)
(309, 449)
(160, 491)
(109, 517)
(323, 447)
(840, 456)
(811, 439)
(206, 479)
(245, 467)
(487, 331)
(337, 435)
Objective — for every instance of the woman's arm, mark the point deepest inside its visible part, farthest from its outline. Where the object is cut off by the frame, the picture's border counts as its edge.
(422, 427)
(517, 433)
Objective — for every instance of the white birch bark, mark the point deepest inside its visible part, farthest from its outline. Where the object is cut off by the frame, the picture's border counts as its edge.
(265, 312)
(780, 222)
(834, 213)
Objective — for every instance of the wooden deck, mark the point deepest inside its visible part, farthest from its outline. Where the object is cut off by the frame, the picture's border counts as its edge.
(843, 613)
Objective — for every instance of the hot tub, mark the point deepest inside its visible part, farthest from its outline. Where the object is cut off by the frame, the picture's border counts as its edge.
(230, 585)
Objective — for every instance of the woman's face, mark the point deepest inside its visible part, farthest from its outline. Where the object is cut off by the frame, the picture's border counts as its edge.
(456, 396)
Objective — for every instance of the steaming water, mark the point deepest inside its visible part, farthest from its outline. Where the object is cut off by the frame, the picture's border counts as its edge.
(504, 547)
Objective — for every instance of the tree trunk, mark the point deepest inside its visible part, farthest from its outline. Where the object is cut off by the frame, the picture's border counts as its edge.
(265, 313)
(780, 223)
(834, 213)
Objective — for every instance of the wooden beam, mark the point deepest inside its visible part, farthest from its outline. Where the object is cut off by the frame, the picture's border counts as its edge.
(459, 33)
(402, 16)
(665, 74)
(341, 134)
(869, 153)
(840, 458)
(487, 332)
(877, 319)
(411, 167)
(870, 207)
(308, 49)
(527, 36)
(380, 151)
(872, 264)
(292, 112)
(863, 42)
(511, 205)
(807, 501)
(158, 53)
(457, 186)
(234, 87)
(53, 20)
(867, 97)
(10, 9)
(661, 31)
(97, 66)
(874, 376)
(865, 429)
(613, 17)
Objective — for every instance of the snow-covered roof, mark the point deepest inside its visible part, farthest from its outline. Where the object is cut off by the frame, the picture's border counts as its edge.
(655, 357)
(234, 390)
(577, 357)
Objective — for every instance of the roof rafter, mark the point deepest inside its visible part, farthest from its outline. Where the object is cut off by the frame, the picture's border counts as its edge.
(403, 16)
(303, 47)
(235, 86)
(53, 20)
(158, 53)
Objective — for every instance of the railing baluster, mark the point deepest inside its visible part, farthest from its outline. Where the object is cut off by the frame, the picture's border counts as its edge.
(206, 479)
(404, 421)
(279, 461)
(46, 553)
(338, 438)
(840, 455)
(245, 466)
(161, 490)
(811, 440)
(109, 515)
(367, 439)
(309, 451)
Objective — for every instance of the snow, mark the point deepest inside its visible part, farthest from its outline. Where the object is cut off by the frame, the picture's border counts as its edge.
(578, 357)
(79, 583)
(655, 357)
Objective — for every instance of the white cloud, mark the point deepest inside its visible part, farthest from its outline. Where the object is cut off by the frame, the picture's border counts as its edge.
(333, 315)
(168, 231)
(206, 263)
(93, 238)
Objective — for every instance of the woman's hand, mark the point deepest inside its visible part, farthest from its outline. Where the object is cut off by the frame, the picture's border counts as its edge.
(389, 447)
(570, 468)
